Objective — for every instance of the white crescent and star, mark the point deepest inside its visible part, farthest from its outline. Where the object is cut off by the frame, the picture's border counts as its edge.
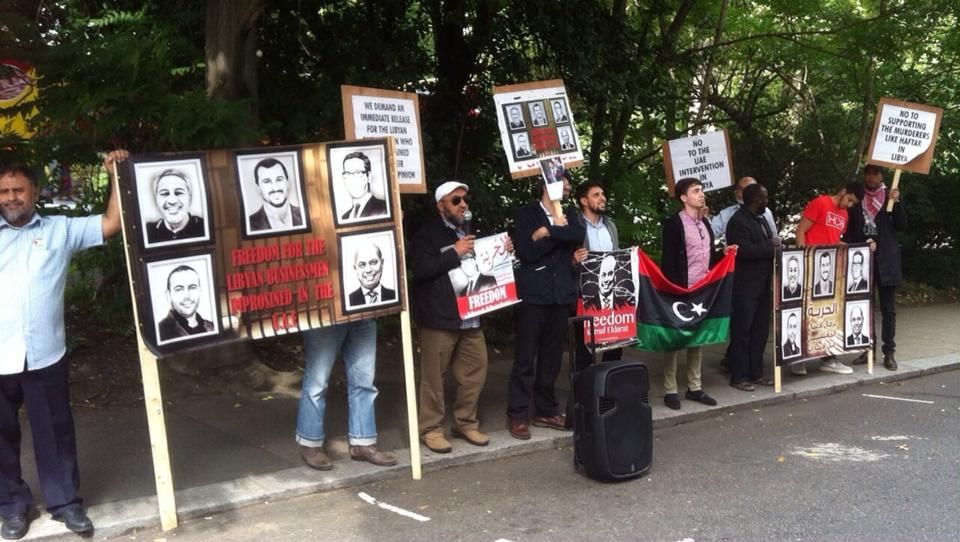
(694, 308)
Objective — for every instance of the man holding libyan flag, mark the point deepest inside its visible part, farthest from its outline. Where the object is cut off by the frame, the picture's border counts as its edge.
(687, 304)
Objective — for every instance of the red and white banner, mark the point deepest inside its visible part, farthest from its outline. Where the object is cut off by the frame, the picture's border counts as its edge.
(608, 292)
(484, 281)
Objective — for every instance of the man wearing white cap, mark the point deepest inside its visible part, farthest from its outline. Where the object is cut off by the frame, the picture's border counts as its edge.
(446, 341)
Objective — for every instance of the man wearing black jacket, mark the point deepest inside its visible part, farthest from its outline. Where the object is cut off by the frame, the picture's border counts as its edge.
(870, 222)
(545, 242)
(446, 341)
(750, 317)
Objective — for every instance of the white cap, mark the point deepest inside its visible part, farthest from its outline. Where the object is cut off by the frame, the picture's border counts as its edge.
(447, 187)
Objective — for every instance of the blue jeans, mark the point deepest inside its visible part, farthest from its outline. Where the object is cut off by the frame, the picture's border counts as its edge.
(357, 342)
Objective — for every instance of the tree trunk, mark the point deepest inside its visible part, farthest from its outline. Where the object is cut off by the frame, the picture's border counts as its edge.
(231, 50)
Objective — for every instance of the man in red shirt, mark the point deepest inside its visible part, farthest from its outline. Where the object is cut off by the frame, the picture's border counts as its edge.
(824, 220)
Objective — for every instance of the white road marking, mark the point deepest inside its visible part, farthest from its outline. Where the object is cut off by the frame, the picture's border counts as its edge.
(836, 453)
(392, 508)
(897, 437)
(898, 398)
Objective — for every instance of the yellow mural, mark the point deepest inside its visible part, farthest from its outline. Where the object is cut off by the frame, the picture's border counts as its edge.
(18, 87)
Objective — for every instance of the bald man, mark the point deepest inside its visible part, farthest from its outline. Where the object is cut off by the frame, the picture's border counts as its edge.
(719, 222)
(368, 263)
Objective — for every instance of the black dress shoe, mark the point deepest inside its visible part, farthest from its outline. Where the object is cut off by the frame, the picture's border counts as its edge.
(75, 519)
(890, 362)
(15, 527)
(701, 396)
(672, 401)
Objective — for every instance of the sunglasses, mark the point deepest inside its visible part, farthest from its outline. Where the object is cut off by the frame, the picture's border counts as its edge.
(455, 200)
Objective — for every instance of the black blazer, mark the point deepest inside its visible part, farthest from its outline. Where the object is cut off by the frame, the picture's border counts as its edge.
(889, 263)
(755, 251)
(674, 249)
(386, 294)
(430, 257)
(260, 222)
(546, 275)
(373, 207)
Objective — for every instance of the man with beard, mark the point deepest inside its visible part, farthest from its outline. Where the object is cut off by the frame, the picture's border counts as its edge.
(356, 178)
(34, 369)
(447, 342)
(791, 347)
(516, 119)
(173, 194)
(858, 283)
(538, 114)
(273, 184)
(856, 336)
(368, 263)
(824, 284)
(183, 294)
(792, 289)
(871, 222)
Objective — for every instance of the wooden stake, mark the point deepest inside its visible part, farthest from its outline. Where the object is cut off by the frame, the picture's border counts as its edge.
(893, 186)
(870, 361)
(411, 389)
(152, 398)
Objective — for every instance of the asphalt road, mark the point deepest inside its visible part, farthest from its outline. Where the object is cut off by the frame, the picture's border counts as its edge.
(840, 467)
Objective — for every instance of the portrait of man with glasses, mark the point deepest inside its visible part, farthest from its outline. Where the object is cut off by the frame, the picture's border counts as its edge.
(358, 176)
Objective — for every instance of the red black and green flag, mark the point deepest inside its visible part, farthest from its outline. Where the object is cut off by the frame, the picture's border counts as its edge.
(670, 317)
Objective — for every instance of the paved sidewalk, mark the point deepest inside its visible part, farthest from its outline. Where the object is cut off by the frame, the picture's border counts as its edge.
(228, 452)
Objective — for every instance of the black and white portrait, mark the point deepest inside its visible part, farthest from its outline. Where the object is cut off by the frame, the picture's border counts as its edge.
(824, 270)
(606, 280)
(368, 270)
(790, 325)
(271, 186)
(538, 114)
(567, 142)
(559, 111)
(858, 270)
(183, 295)
(515, 117)
(172, 200)
(791, 275)
(521, 146)
(359, 183)
(856, 330)
(486, 266)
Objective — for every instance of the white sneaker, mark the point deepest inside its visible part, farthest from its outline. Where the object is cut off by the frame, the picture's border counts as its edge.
(799, 369)
(834, 366)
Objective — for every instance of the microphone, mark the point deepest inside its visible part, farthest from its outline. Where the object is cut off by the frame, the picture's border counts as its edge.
(467, 216)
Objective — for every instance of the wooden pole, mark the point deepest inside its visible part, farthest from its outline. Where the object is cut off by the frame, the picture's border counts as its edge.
(893, 186)
(152, 398)
(776, 336)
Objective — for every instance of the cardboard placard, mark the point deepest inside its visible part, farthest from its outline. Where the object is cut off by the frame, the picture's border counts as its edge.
(377, 113)
(706, 157)
(904, 135)
(536, 122)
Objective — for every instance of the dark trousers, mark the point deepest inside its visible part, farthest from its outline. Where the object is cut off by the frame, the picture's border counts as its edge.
(583, 359)
(538, 355)
(749, 325)
(887, 296)
(46, 394)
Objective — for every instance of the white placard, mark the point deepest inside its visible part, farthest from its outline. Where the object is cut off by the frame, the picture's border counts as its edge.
(380, 116)
(904, 134)
(705, 157)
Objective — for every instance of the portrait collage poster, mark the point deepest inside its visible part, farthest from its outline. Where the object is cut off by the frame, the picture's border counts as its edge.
(250, 243)
(608, 293)
(536, 122)
(484, 282)
(823, 300)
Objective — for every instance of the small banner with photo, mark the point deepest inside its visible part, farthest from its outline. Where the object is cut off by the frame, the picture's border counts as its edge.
(484, 281)
(608, 293)
(250, 243)
(823, 299)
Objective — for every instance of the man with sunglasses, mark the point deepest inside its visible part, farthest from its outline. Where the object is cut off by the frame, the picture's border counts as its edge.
(446, 341)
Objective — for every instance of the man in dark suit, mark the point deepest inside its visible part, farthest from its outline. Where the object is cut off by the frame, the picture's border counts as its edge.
(516, 119)
(545, 240)
(871, 222)
(522, 146)
(791, 346)
(856, 337)
(566, 144)
(356, 178)
(824, 286)
(750, 315)
(476, 281)
(183, 294)
(792, 289)
(273, 184)
(559, 115)
(858, 282)
(368, 263)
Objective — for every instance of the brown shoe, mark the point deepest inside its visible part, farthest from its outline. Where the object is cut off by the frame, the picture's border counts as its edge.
(472, 436)
(743, 386)
(371, 454)
(436, 442)
(315, 458)
(518, 428)
(558, 422)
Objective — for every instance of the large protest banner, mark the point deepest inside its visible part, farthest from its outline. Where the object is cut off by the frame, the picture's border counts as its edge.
(250, 243)
(608, 293)
(378, 113)
(484, 282)
(904, 135)
(706, 157)
(822, 297)
(536, 122)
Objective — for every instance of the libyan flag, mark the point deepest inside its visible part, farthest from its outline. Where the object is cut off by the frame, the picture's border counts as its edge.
(670, 317)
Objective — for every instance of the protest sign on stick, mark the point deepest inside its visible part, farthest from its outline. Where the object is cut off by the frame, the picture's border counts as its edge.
(904, 138)
(376, 113)
(706, 157)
